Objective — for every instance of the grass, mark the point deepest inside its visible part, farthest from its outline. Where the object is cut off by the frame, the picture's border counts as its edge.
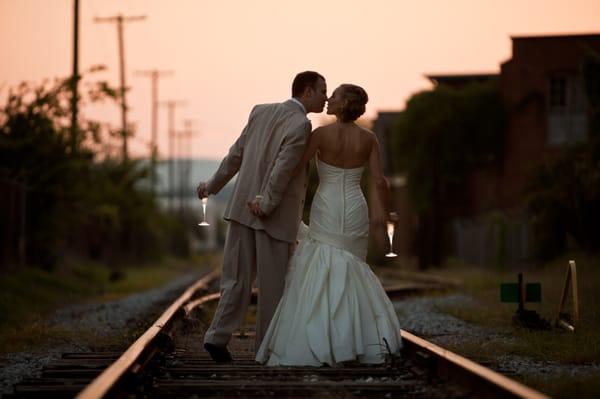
(29, 295)
(555, 345)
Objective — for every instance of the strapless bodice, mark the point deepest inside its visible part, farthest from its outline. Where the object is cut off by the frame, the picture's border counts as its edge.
(339, 214)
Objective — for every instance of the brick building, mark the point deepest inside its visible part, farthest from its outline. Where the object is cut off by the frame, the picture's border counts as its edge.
(542, 91)
(543, 94)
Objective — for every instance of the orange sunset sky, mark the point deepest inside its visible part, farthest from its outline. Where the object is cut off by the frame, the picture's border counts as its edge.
(228, 55)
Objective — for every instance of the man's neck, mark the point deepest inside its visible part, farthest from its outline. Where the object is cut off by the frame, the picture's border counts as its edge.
(299, 102)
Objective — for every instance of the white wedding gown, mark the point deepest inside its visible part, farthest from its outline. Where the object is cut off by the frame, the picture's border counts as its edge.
(333, 308)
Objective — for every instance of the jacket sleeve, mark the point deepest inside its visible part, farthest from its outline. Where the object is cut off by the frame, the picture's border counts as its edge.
(230, 165)
(289, 155)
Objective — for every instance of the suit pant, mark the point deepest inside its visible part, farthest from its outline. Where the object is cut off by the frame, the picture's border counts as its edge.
(248, 254)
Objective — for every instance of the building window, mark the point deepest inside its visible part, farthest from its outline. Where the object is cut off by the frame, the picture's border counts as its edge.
(567, 119)
(558, 91)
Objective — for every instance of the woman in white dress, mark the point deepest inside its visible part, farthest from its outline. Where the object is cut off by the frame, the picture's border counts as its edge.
(334, 308)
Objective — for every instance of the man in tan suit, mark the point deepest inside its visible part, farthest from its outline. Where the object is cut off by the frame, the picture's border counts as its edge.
(264, 210)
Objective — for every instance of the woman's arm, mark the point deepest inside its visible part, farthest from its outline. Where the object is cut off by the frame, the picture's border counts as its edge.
(381, 183)
(309, 152)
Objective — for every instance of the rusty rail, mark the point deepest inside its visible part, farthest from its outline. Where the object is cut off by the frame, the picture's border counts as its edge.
(130, 359)
(484, 381)
(478, 378)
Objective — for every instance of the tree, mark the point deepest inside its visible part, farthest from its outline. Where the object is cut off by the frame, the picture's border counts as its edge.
(81, 201)
(441, 136)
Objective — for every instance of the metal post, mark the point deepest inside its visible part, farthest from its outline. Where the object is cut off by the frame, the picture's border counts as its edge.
(122, 76)
(521, 294)
(23, 229)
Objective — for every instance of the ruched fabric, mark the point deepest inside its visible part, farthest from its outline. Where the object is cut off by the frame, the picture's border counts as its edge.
(334, 308)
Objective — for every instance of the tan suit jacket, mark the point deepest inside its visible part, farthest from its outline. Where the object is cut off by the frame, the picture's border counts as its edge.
(265, 155)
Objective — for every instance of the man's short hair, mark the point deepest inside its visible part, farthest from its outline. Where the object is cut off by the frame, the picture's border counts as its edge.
(303, 80)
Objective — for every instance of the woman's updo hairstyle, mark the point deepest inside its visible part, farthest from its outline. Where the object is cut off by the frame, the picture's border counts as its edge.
(355, 100)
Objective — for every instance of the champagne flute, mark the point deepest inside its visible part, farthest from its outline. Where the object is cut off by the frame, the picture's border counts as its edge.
(390, 232)
(204, 222)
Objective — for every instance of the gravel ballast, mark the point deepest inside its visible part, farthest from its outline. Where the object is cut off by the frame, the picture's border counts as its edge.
(419, 315)
(422, 316)
(97, 320)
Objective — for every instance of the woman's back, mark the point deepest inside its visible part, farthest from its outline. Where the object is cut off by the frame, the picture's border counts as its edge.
(345, 145)
(339, 207)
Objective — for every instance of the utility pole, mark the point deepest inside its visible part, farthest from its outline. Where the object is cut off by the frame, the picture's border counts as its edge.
(171, 105)
(185, 143)
(154, 75)
(75, 77)
(119, 19)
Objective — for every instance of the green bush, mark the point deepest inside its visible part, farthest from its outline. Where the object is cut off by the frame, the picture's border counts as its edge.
(442, 136)
(79, 200)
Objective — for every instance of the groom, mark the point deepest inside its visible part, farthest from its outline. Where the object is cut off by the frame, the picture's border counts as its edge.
(264, 210)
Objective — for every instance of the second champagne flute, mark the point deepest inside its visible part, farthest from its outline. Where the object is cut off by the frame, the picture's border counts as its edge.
(204, 222)
(390, 232)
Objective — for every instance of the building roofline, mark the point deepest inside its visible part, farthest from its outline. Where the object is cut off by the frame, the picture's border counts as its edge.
(461, 75)
(556, 36)
(450, 77)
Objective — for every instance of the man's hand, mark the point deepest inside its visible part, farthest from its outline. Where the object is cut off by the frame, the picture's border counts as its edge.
(201, 190)
(255, 208)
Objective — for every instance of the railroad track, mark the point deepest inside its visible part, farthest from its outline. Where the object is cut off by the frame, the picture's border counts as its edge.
(168, 361)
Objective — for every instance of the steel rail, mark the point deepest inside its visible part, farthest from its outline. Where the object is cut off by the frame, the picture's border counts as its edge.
(109, 378)
(482, 379)
(478, 377)
(442, 361)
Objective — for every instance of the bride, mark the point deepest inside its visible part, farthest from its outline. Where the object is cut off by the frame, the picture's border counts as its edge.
(334, 308)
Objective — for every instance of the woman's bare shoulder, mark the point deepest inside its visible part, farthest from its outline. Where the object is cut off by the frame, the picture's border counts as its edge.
(323, 131)
(367, 134)
(325, 128)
